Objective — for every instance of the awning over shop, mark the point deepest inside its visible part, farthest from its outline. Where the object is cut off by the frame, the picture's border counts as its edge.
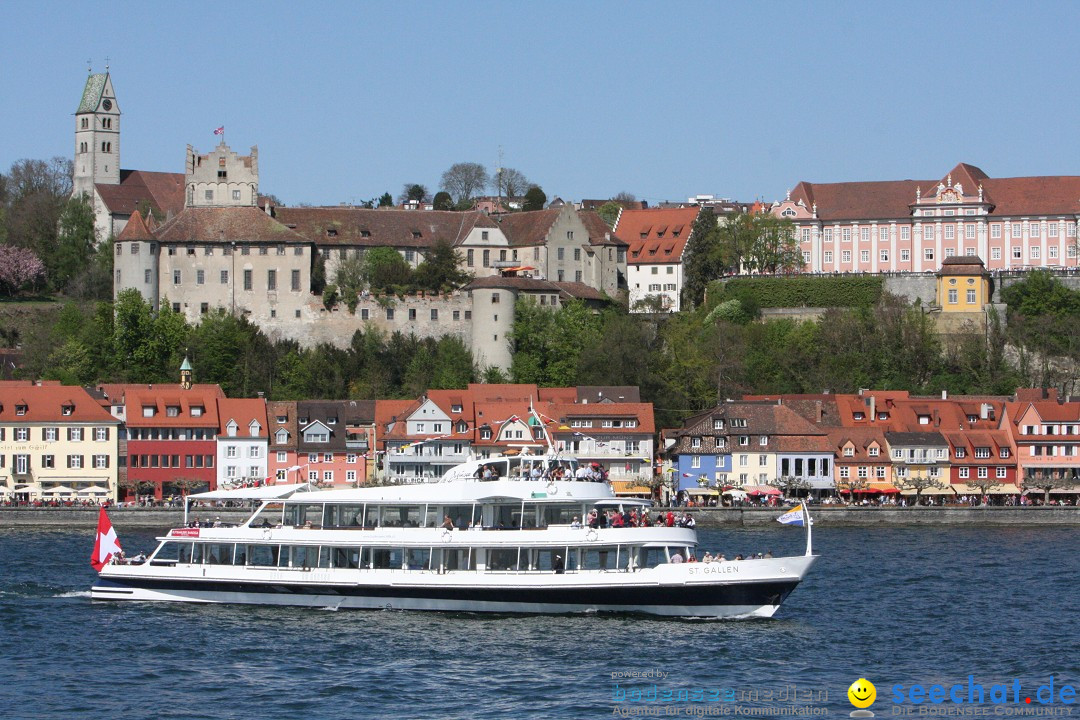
(702, 491)
(965, 489)
(58, 490)
(947, 490)
(629, 487)
(761, 490)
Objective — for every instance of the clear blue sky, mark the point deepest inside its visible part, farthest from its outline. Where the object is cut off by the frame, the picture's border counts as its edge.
(662, 99)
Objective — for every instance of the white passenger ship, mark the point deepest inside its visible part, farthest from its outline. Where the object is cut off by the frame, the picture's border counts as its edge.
(514, 547)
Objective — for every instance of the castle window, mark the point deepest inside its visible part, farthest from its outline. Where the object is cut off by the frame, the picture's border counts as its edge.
(235, 194)
(296, 280)
(247, 279)
(85, 123)
(222, 175)
(176, 277)
(271, 279)
(204, 308)
(146, 276)
(191, 250)
(224, 277)
(209, 195)
(200, 277)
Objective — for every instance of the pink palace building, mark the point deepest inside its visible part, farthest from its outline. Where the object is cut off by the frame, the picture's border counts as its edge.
(912, 225)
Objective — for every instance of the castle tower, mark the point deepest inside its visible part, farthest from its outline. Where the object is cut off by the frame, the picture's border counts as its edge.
(97, 136)
(221, 178)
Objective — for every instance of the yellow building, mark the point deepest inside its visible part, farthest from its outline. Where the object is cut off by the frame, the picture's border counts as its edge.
(963, 285)
(56, 443)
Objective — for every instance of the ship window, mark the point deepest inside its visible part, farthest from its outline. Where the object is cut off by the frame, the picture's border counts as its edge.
(386, 558)
(503, 558)
(262, 555)
(396, 516)
(341, 558)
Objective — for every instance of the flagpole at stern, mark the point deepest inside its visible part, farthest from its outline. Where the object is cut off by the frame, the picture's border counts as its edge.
(809, 524)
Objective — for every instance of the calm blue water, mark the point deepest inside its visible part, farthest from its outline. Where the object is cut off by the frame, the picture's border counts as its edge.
(896, 605)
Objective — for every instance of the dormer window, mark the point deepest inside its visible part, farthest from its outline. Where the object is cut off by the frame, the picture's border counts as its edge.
(695, 442)
(485, 434)
(763, 440)
(230, 429)
(255, 428)
(455, 408)
(883, 416)
(331, 421)
(924, 419)
(281, 436)
(416, 233)
(462, 427)
(859, 416)
(196, 411)
(172, 411)
(973, 418)
(961, 452)
(20, 409)
(148, 410)
(872, 451)
(282, 419)
(67, 409)
(365, 233)
(849, 451)
(331, 232)
(718, 424)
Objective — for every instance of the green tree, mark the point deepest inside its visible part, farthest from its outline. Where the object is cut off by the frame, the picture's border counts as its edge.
(441, 268)
(318, 273)
(608, 212)
(386, 200)
(453, 364)
(349, 279)
(535, 199)
(384, 268)
(413, 192)
(703, 261)
(546, 345)
(443, 201)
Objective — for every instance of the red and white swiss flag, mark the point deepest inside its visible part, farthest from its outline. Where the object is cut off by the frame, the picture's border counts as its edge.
(105, 542)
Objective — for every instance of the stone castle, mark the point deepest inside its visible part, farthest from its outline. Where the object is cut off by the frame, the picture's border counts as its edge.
(206, 239)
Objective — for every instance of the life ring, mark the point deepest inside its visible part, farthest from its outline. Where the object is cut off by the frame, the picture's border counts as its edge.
(267, 534)
(552, 488)
(447, 536)
(591, 535)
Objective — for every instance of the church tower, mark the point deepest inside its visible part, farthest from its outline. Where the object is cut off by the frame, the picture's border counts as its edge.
(97, 136)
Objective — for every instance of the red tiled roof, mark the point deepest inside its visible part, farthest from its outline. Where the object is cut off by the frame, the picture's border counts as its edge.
(135, 229)
(651, 234)
(1044, 195)
(243, 411)
(228, 224)
(44, 403)
(160, 397)
(164, 192)
(528, 228)
(382, 228)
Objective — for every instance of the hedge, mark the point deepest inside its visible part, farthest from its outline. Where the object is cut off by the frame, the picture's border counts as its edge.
(799, 291)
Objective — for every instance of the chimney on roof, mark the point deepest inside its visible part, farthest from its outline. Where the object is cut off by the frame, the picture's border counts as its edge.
(819, 411)
(260, 394)
(984, 411)
(861, 391)
(944, 394)
(873, 408)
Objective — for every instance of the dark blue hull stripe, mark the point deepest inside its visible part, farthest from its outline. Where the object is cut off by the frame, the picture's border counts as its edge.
(744, 594)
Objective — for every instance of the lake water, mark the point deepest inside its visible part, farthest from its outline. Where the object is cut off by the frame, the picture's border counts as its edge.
(897, 605)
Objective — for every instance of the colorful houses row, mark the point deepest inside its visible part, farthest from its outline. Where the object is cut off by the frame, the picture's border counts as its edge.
(882, 442)
(126, 441)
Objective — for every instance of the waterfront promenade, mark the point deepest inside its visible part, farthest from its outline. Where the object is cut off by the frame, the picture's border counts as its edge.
(827, 516)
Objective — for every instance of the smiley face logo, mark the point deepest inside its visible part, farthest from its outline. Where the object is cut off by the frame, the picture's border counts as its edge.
(862, 693)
